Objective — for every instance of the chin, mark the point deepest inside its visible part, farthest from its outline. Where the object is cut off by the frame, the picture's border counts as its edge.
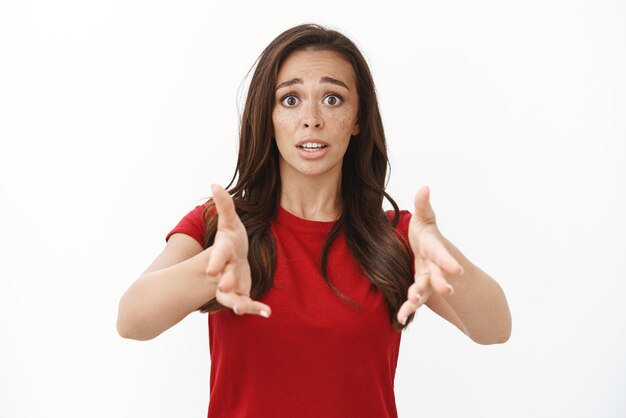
(315, 170)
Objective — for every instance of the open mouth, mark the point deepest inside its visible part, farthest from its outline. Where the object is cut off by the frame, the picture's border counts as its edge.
(311, 146)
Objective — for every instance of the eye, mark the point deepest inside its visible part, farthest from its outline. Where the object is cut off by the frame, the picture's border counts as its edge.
(333, 100)
(290, 101)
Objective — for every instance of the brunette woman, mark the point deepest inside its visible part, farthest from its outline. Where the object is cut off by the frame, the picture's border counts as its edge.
(307, 280)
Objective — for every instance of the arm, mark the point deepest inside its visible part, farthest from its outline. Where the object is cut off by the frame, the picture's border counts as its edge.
(172, 287)
(184, 277)
(477, 303)
(450, 284)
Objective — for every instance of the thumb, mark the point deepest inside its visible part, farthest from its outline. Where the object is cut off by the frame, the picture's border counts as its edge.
(423, 211)
(227, 216)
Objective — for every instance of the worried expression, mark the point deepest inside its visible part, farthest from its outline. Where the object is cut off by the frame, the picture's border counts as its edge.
(315, 112)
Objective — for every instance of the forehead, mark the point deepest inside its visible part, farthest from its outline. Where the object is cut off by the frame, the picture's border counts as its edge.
(314, 64)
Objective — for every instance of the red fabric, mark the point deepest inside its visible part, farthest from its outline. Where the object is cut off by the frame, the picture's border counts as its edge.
(316, 356)
(192, 224)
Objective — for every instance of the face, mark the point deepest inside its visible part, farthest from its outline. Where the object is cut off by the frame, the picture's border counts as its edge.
(315, 112)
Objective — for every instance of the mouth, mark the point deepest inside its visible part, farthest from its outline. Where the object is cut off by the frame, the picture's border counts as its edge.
(311, 146)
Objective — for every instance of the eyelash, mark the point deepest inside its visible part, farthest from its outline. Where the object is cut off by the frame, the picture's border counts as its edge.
(288, 95)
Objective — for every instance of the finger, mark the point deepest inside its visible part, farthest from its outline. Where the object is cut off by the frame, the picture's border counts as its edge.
(418, 297)
(436, 251)
(227, 281)
(419, 291)
(242, 305)
(405, 311)
(414, 295)
(422, 288)
(439, 282)
(227, 216)
(249, 307)
(217, 260)
(243, 283)
(236, 278)
(418, 294)
(423, 211)
(212, 278)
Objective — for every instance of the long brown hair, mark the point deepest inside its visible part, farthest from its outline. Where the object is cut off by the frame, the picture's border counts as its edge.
(370, 236)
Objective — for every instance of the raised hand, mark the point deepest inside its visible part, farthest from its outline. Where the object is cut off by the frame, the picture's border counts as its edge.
(229, 259)
(432, 259)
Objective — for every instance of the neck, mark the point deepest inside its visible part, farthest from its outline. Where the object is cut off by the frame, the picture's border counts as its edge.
(316, 198)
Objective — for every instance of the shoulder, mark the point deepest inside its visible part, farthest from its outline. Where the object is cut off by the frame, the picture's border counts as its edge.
(404, 217)
(192, 224)
(402, 227)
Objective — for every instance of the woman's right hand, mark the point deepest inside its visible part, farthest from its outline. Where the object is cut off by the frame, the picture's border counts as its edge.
(228, 260)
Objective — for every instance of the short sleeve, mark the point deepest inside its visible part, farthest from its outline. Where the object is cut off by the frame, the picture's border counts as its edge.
(192, 224)
(402, 230)
(403, 223)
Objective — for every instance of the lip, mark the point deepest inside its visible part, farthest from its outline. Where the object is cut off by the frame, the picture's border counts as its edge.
(314, 140)
(312, 155)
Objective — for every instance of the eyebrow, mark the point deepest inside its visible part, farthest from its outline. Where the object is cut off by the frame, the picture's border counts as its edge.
(325, 79)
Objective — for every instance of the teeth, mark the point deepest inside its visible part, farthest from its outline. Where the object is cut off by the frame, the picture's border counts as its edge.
(312, 145)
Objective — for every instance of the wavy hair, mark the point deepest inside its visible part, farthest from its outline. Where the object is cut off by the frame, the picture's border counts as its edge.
(378, 249)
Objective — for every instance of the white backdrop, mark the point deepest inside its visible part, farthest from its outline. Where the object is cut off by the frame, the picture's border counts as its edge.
(116, 116)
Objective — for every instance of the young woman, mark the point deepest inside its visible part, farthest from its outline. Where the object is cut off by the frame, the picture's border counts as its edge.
(307, 280)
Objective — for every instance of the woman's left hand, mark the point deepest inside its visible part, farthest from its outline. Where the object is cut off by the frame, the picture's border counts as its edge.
(432, 259)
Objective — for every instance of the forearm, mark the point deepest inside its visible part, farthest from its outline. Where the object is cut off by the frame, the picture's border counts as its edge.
(479, 302)
(160, 299)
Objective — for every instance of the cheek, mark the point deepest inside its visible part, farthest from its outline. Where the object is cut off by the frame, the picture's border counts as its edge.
(281, 121)
(344, 121)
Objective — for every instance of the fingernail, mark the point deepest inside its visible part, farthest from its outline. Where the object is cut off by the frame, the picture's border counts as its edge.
(462, 271)
(235, 309)
(404, 320)
(264, 314)
(451, 289)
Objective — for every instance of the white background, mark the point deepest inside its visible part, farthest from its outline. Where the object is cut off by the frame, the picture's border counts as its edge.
(116, 116)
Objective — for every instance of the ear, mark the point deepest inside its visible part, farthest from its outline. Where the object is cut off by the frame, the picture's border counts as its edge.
(355, 129)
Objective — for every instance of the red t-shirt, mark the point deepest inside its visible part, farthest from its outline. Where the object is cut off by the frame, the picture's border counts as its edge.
(317, 356)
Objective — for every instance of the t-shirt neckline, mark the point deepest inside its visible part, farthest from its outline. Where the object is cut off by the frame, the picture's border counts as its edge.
(285, 217)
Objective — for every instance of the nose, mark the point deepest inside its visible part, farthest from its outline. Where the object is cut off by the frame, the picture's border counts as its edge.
(312, 117)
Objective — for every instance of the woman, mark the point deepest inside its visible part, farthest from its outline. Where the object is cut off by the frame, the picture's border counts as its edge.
(319, 281)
